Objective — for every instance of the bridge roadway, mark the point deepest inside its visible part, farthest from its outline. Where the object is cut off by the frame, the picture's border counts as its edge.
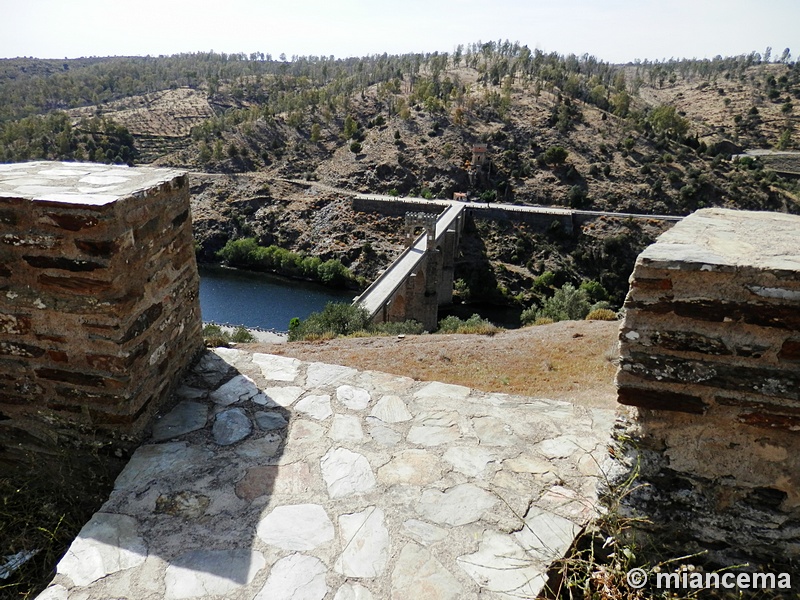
(520, 208)
(384, 287)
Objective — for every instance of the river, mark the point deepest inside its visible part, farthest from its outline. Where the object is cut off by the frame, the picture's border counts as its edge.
(232, 296)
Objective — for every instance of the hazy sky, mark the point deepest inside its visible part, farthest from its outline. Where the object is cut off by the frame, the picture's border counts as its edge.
(613, 30)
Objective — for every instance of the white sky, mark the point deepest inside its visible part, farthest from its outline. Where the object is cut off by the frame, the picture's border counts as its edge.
(612, 30)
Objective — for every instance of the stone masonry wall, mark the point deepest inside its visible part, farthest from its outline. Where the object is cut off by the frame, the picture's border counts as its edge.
(99, 308)
(710, 355)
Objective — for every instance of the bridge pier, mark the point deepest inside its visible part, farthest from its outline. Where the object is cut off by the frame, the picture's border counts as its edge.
(418, 297)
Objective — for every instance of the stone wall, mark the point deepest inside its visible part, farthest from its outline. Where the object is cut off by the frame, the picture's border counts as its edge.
(710, 355)
(99, 308)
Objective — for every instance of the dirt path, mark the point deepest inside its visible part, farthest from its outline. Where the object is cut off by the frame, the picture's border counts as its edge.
(571, 360)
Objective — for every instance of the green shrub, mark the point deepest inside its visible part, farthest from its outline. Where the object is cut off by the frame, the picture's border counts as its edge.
(246, 252)
(567, 304)
(555, 155)
(528, 316)
(404, 327)
(239, 253)
(594, 291)
(337, 318)
(543, 283)
(475, 324)
(355, 147)
(241, 335)
(213, 336)
(333, 272)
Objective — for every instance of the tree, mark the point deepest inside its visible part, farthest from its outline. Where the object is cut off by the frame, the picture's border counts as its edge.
(350, 127)
(665, 119)
(555, 155)
(316, 132)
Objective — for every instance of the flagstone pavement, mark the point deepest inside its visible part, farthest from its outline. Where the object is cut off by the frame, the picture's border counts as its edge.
(276, 479)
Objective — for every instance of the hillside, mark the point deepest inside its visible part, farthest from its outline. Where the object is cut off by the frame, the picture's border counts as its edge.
(275, 147)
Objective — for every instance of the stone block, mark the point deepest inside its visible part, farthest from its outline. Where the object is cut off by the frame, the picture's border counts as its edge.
(100, 313)
(709, 353)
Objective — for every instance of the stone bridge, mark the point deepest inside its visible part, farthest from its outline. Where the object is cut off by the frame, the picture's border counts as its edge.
(421, 278)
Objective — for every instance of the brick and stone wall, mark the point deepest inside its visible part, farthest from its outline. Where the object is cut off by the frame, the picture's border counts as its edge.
(710, 355)
(99, 309)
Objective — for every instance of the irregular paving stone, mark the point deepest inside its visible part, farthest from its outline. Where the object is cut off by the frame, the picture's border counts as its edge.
(528, 464)
(202, 573)
(385, 436)
(238, 389)
(321, 374)
(157, 460)
(277, 368)
(417, 574)
(352, 397)
(229, 355)
(304, 431)
(391, 409)
(501, 565)
(469, 460)
(316, 407)
(346, 428)
(435, 429)
(365, 542)
(212, 369)
(296, 527)
(442, 391)
(348, 591)
(190, 393)
(560, 447)
(107, 543)
(414, 467)
(231, 426)
(494, 432)
(55, 592)
(424, 533)
(546, 535)
(283, 480)
(267, 421)
(567, 503)
(461, 504)
(296, 577)
(346, 472)
(590, 464)
(281, 396)
(185, 417)
(262, 448)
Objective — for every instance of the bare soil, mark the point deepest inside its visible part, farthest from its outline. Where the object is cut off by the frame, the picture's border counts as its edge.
(570, 360)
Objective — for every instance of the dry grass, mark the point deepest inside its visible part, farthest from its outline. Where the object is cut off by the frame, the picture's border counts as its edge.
(570, 360)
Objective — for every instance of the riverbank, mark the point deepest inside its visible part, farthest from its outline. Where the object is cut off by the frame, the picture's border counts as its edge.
(262, 336)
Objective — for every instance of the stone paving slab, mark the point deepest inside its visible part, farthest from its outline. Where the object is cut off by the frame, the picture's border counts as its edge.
(276, 479)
